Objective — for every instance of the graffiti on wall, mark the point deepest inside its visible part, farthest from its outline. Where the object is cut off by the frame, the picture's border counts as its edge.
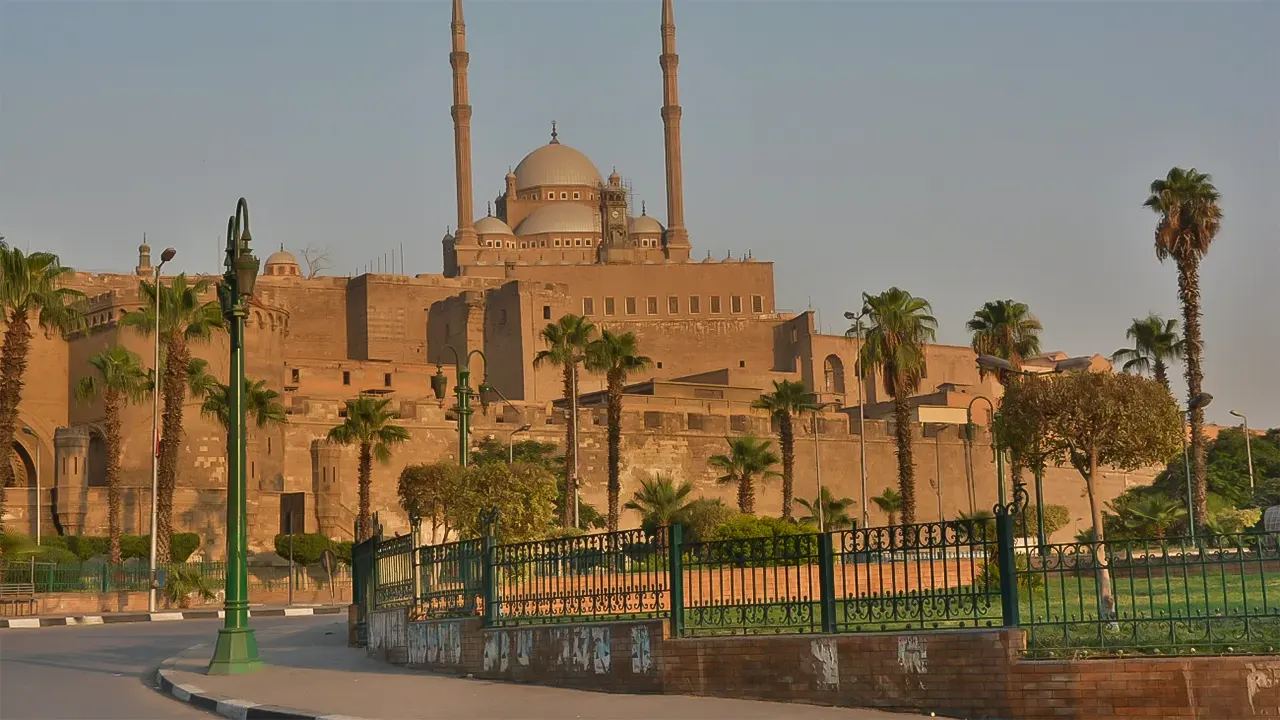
(388, 629)
(826, 662)
(435, 643)
(497, 651)
(524, 647)
(913, 654)
(641, 654)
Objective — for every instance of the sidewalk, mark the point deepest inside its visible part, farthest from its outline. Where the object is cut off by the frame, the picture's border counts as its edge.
(312, 673)
(44, 621)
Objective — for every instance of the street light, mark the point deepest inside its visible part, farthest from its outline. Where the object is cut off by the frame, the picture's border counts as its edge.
(1199, 401)
(1248, 448)
(236, 650)
(28, 431)
(862, 427)
(511, 452)
(440, 384)
(970, 431)
(165, 257)
(817, 465)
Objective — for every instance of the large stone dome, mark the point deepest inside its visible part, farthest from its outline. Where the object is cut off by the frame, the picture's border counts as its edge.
(566, 217)
(556, 164)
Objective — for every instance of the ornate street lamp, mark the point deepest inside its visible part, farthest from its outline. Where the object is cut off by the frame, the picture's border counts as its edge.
(440, 384)
(236, 650)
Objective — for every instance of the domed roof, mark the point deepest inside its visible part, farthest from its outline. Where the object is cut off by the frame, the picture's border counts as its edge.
(281, 257)
(556, 164)
(491, 226)
(568, 217)
(644, 225)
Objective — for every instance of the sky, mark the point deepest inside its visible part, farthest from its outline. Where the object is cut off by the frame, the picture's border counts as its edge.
(964, 151)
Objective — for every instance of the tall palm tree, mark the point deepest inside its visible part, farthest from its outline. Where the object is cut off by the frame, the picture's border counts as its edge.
(1156, 343)
(119, 378)
(1190, 217)
(369, 425)
(890, 503)
(260, 403)
(186, 319)
(901, 325)
(749, 458)
(834, 513)
(31, 288)
(660, 501)
(567, 341)
(616, 356)
(789, 398)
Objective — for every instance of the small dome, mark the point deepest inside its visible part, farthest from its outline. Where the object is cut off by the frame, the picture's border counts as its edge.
(556, 164)
(491, 226)
(281, 262)
(281, 257)
(561, 218)
(644, 225)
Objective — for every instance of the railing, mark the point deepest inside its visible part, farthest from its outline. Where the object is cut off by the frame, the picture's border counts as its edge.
(451, 578)
(753, 585)
(393, 572)
(1211, 595)
(603, 576)
(97, 577)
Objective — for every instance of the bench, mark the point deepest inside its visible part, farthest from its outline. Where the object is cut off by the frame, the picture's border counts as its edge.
(19, 594)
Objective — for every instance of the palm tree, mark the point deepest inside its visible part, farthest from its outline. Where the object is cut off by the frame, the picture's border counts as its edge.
(1190, 217)
(835, 513)
(749, 458)
(368, 424)
(567, 341)
(120, 379)
(616, 356)
(260, 403)
(30, 288)
(788, 398)
(900, 327)
(890, 503)
(186, 319)
(1155, 344)
(1153, 516)
(660, 501)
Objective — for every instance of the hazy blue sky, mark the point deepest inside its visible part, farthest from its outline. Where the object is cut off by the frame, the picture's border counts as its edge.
(963, 151)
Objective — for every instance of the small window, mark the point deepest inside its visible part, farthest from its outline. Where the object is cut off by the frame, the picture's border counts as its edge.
(757, 304)
(588, 306)
(735, 303)
(502, 317)
(524, 246)
(715, 303)
(564, 196)
(577, 195)
(346, 377)
(386, 379)
(608, 306)
(294, 374)
(742, 363)
(673, 305)
(652, 306)
(695, 304)
(631, 306)
(268, 446)
(577, 242)
(546, 312)
(556, 242)
(342, 411)
(446, 331)
(659, 364)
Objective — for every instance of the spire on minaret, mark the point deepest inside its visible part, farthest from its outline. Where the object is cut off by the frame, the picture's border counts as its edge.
(459, 59)
(643, 210)
(144, 259)
(488, 209)
(555, 137)
(677, 235)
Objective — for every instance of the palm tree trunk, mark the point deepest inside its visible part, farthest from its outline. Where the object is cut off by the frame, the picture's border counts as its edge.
(787, 439)
(175, 395)
(1189, 293)
(1162, 373)
(906, 468)
(747, 495)
(570, 451)
(364, 522)
(13, 366)
(1106, 598)
(615, 445)
(111, 402)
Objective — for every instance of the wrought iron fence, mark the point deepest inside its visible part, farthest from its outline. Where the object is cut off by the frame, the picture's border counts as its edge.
(451, 578)
(98, 577)
(602, 576)
(393, 572)
(753, 585)
(1209, 595)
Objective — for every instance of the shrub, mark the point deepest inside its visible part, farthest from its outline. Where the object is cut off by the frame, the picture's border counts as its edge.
(342, 549)
(307, 547)
(54, 554)
(87, 546)
(988, 578)
(181, 582)
(1056, 517)
(181, 547)
(702, 516)
(747, 539)
(15, 544)
(54, 541)
(135, 546)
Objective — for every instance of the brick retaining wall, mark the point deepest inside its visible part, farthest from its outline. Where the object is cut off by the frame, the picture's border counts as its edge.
(89, 603)
(954, 673)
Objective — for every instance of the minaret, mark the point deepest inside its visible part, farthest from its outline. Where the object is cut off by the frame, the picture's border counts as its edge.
(677, 235)
(466, 235)
(143, 269)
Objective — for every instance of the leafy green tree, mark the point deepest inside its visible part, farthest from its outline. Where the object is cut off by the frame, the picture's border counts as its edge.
(788, 399)
(1005, 329)
(544, 454)
(1227, 470)
(1190, 217)
(749, 459)
(900, 327)
(567, 341)
(660, 502)
(835, 513)
(31, 288)
(522, 494)
(261, 404)
(703, 516)
(186, 319)
(118, 378)
(890, 503)
(617, 356)
(430, 492)
(1155, 344)
(369, 426)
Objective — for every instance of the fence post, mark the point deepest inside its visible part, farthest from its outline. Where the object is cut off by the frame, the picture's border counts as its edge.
(827, 582)
(675, 577)
(488, 583)
(106, 577)
(1008, 568)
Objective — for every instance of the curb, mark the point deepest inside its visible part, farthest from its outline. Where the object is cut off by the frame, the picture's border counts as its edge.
(112, 618)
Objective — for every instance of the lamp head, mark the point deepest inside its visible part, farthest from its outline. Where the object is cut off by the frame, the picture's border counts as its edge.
(167, 255)
(28, 431)
(1237, 413)
(523, 428)
(484, 397)
(849, 315)
(1072, 364)
(439, 383)
(1200, 401)
(246, 269)
(991, 362)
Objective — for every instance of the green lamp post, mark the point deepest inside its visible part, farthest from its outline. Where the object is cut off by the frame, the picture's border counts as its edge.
(236, 650)
(440, 385)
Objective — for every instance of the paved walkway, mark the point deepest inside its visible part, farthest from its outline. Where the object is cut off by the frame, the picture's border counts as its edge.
(313, 670)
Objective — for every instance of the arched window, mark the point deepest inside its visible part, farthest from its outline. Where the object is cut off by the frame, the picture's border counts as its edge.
(833, 375)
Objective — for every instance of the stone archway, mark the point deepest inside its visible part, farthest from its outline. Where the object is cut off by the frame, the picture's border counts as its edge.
(833, 375)
(96, 459)
(23, 466)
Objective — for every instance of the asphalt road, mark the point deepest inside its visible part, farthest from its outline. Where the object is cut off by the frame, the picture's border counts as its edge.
(102, 672)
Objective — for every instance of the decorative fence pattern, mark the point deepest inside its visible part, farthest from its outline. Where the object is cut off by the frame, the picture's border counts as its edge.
(451, 578)
(91, 577)
(393, 572)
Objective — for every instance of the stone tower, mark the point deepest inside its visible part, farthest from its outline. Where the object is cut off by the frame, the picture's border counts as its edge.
(326, 464)
(70, 455)
(144, 259)
(466, 243)
(677, 237)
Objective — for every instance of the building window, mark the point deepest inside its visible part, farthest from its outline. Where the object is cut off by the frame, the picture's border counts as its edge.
(588, 306)
(502, 317)
(577, 242)
(295, 374)
(695, 304)
(757, 304)
(742, 363)
(608, 306)
(673, 305)
(631, 306)
(577, 195)
(564, 196)
(659, 364)
(652, 306)
(524, 246)
(735, 303)
(346, 377)
(715, 303)
(546, 312)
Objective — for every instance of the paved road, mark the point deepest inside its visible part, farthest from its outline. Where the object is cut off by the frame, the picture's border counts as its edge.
(101, 672)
